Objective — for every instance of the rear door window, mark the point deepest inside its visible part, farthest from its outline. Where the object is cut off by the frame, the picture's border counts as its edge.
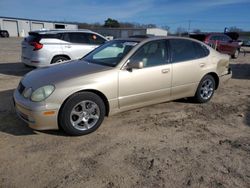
(182, 50)
(201, 50)
(80, 38)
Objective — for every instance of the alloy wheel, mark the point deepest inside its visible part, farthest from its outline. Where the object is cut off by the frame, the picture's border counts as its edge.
(84, 115)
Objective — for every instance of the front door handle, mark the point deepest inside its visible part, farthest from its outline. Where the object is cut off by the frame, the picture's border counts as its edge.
(68, 46)
(164, 71)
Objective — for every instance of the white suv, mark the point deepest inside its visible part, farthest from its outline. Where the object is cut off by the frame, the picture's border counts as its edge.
(42, 48)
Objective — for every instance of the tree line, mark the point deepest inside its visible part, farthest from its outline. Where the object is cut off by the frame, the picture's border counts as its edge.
(113, 23)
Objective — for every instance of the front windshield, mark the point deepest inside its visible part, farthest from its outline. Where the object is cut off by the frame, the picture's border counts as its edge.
(111, 53)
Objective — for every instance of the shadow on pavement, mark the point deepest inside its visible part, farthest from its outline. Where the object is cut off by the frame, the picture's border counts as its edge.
(11, 124)
(15, 69)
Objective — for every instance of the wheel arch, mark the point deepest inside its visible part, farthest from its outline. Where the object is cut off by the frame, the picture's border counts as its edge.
(216, 79)
(60, 55)
(100, 94)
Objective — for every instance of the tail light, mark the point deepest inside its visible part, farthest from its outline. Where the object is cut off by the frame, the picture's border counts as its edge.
(36, 45)
(206, 41)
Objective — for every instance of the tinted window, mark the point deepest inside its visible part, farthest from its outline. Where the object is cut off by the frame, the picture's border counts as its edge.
(76, 38)
(215, 37)
(95, 39)
(36, 37)
(225, 38)
(201, 50)
(183, 50)
(32, 38)
(51, 36)
(151, 54)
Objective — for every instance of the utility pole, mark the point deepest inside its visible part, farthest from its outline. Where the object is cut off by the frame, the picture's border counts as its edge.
(189, 24)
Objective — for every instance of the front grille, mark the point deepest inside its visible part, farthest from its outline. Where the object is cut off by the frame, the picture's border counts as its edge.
(21, 88)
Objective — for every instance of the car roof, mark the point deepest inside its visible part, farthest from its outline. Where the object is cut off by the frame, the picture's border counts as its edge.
(55, 31)
(152, 38)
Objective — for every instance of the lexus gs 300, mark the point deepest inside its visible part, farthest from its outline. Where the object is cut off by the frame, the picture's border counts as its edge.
(120, 75)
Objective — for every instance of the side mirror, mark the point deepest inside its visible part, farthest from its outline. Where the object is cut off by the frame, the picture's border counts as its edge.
(134, 65)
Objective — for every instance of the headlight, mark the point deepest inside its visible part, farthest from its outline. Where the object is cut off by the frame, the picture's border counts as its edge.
(27, 92)
(42, 93)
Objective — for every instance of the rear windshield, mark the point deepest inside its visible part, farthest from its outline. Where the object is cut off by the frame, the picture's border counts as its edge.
(32, 38)
(36, 37)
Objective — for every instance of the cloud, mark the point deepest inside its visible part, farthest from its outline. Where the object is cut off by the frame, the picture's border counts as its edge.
(124, 10)
(222, 2)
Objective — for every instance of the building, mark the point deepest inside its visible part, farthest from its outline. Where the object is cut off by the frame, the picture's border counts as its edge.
(126, 32)
(20, 27)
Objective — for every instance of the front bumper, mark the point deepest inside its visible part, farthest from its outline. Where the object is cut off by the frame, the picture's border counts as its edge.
(33, 113)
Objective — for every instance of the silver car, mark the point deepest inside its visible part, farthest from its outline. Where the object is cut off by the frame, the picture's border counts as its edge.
(120, 75)
(42, 48)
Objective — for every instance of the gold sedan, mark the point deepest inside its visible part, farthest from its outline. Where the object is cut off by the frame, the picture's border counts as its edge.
(120, 75)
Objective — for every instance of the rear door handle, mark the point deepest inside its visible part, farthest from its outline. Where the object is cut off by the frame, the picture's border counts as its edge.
(165, 71)
(68, 46)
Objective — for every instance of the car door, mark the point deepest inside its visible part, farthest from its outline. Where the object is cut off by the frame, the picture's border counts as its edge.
(150, 84)
(187, 64)
(76, 45)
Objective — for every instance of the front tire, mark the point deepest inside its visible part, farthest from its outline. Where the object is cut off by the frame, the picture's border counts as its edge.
(82, 114)
(205, 90)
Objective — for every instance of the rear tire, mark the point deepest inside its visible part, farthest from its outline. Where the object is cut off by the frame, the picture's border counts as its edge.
(82, 114)
(205, 90)
(59, 59)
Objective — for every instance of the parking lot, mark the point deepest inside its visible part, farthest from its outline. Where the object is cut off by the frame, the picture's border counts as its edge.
(174, 144)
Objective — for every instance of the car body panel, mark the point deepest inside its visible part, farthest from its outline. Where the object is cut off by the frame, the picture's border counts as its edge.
(149, 84)
(184, 81)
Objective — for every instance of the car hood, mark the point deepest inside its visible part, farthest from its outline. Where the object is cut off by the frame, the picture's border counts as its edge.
(60, 72)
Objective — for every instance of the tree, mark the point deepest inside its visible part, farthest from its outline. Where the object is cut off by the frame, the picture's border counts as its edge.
(180, 31)
(234, 29)
(111, 23)
(166, 27)
(196, 31)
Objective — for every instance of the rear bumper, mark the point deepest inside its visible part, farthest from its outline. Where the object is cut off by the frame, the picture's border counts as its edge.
(33, 114)
(34, 62)
(226, 77)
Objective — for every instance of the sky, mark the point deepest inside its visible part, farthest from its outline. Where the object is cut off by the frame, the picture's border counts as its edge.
(206, 15)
